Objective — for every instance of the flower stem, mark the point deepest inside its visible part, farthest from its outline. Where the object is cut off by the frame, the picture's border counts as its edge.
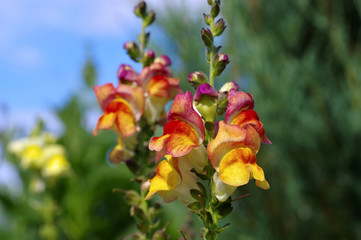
(211, 57)
(142, 43)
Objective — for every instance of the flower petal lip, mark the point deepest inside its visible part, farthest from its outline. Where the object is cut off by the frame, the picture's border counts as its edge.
(182, 109)
(167, 178)
(238, 166)
(163, 59)
(177, 140)
(230, 137)
(118, 116)
(238, 101)
(104, 94)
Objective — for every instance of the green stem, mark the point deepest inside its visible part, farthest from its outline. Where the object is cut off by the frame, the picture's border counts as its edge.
(142, 43)
(211, 56)
(144, 207)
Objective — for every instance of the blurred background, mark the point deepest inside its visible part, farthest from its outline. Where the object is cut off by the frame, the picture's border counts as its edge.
(300, 59)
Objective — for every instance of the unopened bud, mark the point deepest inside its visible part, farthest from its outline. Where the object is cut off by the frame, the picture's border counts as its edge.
(210, 2)
(228, 86)
(126, 74)
(197, 78)
(220, 62)
(207, 37)
(160, 235)
(206, 99)
(141, 9)
(223, 96)
(215, 10)
(149, 19)
(148, 57)
(132, 197)
(164, 60)
(207, 19)
(132, 50)
(219, 27)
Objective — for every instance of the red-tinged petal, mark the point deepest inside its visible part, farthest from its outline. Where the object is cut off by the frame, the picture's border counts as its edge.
(106, 121)
(157, 143)
(182, 138)
(182, 109)
(118, 116)
(234, 168)
(166, 178)
(237, 102)
(158, 86)
(134, 96)
(250, 117)
(230, 137)
(104, 94)
(126, 74)
(153, 70)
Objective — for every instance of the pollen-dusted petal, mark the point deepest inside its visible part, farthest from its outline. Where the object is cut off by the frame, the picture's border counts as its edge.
(166, 178)
(237, 102)
(106, 121)
(263, 184)
(158, 86)
(182, 109)
(104, 94)
(234, 168)
(230, 137)
(182, 138)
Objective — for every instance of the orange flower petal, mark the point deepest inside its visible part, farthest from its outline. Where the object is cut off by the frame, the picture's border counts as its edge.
(182, 109)
(134, 96)
(230, 137)
(158, 86)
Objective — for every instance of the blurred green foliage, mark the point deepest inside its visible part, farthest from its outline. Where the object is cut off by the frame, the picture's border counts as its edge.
(301, 61)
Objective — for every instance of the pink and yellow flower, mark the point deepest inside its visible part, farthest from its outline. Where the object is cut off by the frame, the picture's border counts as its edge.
(183, 132)
(233, 151)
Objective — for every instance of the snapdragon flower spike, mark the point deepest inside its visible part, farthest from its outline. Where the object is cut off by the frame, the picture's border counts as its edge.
(122, 106)
(173, 180)
(240, 112)
(183, 131)
(233, 155)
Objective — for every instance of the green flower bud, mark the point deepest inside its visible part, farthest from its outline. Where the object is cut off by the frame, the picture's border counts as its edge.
(132, 197)
(206, 99)
(210, 2)
(219, 27)
(138, 213)
(132, 50)
(215, 10)
(160, 235)
(220, 62)
(207, 37)
(148, 57)
(149, 19)
(197, 78)
(207, 19)
(141, 9)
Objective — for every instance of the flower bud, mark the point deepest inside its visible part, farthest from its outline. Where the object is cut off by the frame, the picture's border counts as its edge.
(160, 235)
(132, 50)
(149, 19)
(223, 96)
(164, 60)
(215, 10)
(207, 37)
(207, 19)
(219, 27)
(132, 198)
(219, 64)
(148, 57)
(141, 9)
(126, 74)
(206, 102)
(197, 78)
(210, 2)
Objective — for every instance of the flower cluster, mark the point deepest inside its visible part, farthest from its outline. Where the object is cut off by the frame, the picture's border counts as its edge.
(137, 96)
(41, 153)
(232, 152)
